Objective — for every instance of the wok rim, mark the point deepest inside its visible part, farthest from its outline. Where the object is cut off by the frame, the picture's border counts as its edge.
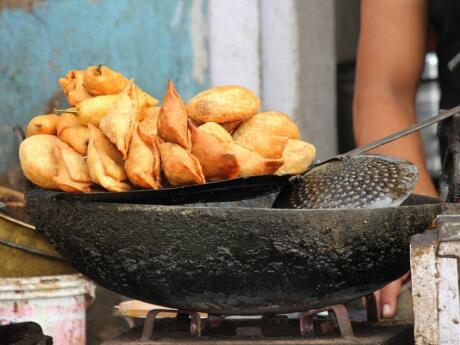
(239, 208)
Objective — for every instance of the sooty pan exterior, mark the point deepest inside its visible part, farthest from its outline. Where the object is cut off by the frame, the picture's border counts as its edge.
(232, 260)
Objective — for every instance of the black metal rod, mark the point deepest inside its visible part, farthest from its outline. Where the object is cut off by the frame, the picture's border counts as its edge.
(30, 250)
(402, 133)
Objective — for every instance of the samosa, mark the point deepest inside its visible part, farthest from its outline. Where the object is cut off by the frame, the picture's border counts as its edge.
(105, 162)
(172, 120)
(143, 163)
(270, 123)
(38, 163)
(180, 166)
(217, 130)
(148, 127)
(251, 163)
(223, 104)
(217, 163)
(118, 124)
(268, 146)
(72, 132)
(297, 157)
(73, 173)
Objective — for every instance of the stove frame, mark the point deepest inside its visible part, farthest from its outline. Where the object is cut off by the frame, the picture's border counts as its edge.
(435, 280)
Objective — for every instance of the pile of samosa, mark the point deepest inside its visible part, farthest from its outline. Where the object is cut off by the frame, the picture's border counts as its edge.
(116, 136)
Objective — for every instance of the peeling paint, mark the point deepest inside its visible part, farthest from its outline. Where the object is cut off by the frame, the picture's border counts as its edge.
(19, 4)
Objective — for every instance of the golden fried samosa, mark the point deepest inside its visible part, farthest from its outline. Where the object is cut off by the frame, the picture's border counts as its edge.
(66, 120)
(145, 100)
(217, 163)
(147, 112)
(72, 132)
(38, 163)
(251, 163)
(102, 80)
(143, 163)
(105, 163)
(172, 120)
(180, 166)
(230, 127)
(42, 124)
(217, 130)
(268, 146)
(223, 104)
(297, 157)
(118, 124)
(72, 85)
(73, 173)
(269, 123)
(148, 128)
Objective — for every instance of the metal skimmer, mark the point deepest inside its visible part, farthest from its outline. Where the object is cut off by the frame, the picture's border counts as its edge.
(355, 180)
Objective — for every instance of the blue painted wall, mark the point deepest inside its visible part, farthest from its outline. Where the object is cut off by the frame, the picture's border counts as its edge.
(148, 40)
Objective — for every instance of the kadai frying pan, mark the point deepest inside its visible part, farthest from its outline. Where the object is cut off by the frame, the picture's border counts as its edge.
(232, 260)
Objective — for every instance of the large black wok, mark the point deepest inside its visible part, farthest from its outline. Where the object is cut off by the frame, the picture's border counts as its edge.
(232, 260)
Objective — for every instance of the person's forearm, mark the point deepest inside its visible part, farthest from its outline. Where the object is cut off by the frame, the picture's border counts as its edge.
(377, 114)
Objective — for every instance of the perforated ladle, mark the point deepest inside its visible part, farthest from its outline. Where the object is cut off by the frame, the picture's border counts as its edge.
(357, 180)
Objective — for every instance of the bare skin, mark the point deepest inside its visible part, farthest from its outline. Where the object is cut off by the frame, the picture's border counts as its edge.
(391, 51)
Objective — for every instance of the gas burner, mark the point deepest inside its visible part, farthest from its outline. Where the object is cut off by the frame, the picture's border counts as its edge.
(329, 325)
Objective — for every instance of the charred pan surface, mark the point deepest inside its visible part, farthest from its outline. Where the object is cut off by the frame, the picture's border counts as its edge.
(232, 260)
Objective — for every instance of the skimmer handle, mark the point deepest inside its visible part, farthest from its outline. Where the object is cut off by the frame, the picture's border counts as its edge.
(402, 133)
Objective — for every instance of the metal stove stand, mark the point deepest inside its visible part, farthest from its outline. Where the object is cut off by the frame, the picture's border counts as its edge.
(435, 280)
(308, 329)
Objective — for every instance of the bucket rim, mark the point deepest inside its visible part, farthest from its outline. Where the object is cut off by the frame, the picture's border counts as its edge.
(45, 287)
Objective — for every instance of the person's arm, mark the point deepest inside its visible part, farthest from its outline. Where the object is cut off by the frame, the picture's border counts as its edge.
(391, 52)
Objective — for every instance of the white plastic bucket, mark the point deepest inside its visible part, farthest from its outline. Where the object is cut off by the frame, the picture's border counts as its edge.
(57, 303)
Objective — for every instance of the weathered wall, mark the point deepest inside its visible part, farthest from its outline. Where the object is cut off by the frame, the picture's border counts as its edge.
(150, 41)
(299, 67)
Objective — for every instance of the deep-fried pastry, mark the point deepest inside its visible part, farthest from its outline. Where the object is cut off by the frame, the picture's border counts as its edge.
(38, 163)
(268, 123)
(105, 163)
(251, 163)
(42, 124)
(102, 80)
(172, 120)
(297, 157)
(148, 127)
(118, 124)
(217, 163)
(180, 166)
(223, 104)
(268, 146)
(94, 109)
(73, 173)
(72, 132)
(72, 85)
(217, 130)
(143, 163)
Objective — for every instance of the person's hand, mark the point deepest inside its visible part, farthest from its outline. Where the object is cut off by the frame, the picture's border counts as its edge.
(387, 297)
